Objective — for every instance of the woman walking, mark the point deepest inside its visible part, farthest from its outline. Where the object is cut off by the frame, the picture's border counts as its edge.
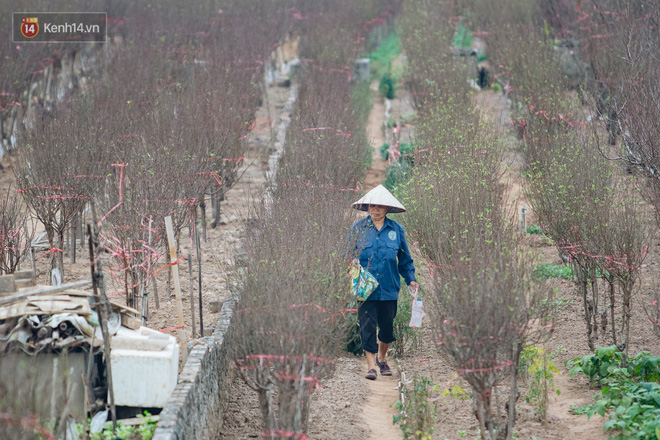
(383, 251)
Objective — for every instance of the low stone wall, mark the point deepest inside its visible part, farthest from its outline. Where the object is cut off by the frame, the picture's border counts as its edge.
(196, 407)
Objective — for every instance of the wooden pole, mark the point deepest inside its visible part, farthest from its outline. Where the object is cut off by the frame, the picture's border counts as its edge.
(157, 301)
(199, 279)
(174, 268)
(192, 297)
(102, 306)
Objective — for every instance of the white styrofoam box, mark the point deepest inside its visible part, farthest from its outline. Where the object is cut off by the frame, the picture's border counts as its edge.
(145, 366)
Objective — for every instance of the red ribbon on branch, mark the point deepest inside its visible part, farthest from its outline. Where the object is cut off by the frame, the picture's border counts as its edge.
(281, 433)
(314, 381)
(48, 252)
(266, 359)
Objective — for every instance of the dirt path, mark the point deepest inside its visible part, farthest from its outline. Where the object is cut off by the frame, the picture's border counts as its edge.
(376, 172)
(380, 408)
(574, 426)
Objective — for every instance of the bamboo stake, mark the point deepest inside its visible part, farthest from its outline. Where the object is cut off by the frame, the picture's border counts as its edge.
(174, 268)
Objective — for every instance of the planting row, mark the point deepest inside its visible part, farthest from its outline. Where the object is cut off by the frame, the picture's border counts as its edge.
(487, 307)
(291, 318)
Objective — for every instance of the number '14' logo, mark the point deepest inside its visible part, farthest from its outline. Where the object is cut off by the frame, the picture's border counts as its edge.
(30, 27)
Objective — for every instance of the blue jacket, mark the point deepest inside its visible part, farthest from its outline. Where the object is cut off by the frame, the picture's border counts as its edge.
(379, 252)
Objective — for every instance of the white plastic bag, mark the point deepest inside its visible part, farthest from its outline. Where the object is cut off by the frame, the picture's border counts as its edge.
(417, 313)
(417, 309)
(98, 422)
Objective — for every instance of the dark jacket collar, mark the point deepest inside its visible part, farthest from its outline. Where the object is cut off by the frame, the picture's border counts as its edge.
(387, 223)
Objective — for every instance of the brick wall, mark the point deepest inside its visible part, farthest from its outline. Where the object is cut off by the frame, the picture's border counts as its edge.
(195, 409)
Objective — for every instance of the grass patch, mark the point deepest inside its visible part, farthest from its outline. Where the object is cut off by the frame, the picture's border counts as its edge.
(534, 229)
(544, 272)
(463, 37)
(382, 58)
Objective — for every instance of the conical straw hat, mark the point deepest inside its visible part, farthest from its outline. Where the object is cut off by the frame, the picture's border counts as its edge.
(379, 196)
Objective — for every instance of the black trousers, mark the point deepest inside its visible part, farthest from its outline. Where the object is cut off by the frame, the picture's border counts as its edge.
(376, 313)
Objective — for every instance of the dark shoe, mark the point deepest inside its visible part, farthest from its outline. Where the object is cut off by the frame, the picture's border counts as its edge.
(384, 368)
(371, 374)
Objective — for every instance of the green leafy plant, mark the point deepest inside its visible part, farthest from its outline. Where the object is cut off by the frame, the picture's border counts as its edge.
(383, 151)
(544, 272)
(396, 175)
(534, 229)
(405, 149)
(605, 363)
(386, 87)
(455, 391)
(143, 431)
(536, 365)
(418, 410)
(630, 393)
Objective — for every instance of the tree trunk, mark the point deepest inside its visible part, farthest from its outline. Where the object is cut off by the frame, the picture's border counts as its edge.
(60, 254)
(216, 221)
(267, 413)
(612, 298)
(50, 235)
(294, 396)
(594, 296)
(513, 396)
(202, 207)
(627, 315)
(587, 309)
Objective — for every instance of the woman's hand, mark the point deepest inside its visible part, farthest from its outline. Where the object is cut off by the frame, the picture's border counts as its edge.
(414, 285)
